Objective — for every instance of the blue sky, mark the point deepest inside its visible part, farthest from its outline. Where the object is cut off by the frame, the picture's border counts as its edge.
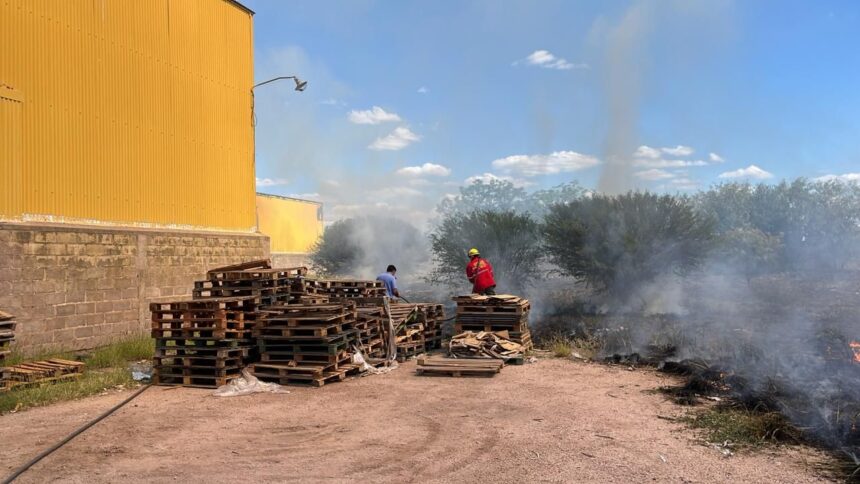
(407, 101)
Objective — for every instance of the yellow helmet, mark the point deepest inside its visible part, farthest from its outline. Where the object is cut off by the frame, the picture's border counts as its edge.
(473, 252)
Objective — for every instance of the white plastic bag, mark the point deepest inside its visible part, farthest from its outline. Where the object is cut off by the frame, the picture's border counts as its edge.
(246, 385)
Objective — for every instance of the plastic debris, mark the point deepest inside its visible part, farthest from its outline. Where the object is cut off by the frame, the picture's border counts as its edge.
(246, 385)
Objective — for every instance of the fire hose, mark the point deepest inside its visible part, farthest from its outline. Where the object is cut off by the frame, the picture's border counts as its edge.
(17, 473)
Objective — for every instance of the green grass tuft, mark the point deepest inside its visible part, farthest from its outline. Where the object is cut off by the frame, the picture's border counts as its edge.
(743, 427)
(106, 368)
(118, 354)
(91, 383)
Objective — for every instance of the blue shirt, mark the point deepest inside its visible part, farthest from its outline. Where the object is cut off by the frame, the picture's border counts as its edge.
(390, 282)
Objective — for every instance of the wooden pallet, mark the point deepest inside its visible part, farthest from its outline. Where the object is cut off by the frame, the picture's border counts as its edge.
(459, 367)
(197, 381)
(197, 362)
(36, 373)
(331, 377)
(202, 343)
(204, 352)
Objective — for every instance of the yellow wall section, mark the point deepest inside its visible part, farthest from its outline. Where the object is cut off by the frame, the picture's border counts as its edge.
(128, 112)
(292, 225)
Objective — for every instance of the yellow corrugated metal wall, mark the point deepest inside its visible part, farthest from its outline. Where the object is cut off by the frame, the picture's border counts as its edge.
(293, 226)
(10, 152)
(130, 111)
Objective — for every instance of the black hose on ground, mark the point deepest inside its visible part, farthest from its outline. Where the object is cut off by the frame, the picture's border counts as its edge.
(71, 436)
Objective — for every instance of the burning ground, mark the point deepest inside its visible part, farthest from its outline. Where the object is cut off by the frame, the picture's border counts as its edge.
(778, 345)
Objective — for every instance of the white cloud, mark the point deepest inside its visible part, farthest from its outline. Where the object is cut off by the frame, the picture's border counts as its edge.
(751, 171)
(679, 150)
(398, 139)
(654, 174)
(490, 177)
(423, 90)
(845, 178)
(545, 59)
(662, 163)
(715, 158)
(647, 152)
(428, 169)
(555, 162)
(271, 182)
(374, 115)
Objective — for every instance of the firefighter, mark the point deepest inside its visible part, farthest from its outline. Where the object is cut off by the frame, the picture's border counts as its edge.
(480, 274)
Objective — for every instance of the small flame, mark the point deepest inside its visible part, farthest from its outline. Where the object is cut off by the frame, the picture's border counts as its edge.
(855, 345)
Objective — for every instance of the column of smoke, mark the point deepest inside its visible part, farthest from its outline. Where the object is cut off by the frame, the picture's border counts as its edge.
(623, 72)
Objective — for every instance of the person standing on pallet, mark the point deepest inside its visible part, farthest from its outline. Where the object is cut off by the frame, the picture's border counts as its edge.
(388, 278)
(480, 274)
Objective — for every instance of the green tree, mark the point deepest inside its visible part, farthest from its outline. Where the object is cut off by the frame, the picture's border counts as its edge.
(510, 241)
(618, 243)
(750, 251)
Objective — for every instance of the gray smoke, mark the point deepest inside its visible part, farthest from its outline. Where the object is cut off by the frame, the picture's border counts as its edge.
(623, 72)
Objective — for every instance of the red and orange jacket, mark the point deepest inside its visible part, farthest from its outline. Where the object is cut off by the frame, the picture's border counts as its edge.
(480, 274)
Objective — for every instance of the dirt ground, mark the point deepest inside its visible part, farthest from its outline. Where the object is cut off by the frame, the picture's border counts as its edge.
(550, 421)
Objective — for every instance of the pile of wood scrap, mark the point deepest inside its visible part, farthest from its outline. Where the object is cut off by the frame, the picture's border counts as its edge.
(483, 344)
(7, 334)
(437, 366)
(503, 312)
(40, 372)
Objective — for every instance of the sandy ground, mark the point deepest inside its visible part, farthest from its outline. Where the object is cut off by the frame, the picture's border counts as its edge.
(551, 421)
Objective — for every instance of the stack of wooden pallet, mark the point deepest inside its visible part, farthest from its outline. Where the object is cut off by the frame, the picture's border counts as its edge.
(252, 279)
(371, 332)
(434, 316)
(306, 344)
(7, 334)
(409, 323)
(495, 313)
(40, 372)
(360, 292)
(202, 342)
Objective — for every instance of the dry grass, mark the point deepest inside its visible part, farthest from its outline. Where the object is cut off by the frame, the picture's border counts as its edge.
(107, 368)
(564, 347)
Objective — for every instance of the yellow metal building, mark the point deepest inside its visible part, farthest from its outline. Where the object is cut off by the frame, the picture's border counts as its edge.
(293, 225)
(128, 112)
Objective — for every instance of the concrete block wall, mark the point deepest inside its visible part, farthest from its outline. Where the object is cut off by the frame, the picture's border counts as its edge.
(78, 287)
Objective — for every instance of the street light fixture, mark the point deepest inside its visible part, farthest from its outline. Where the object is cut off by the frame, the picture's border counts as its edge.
(300, 84)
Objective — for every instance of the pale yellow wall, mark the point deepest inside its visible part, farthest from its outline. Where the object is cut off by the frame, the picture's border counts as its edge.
(127, 111)
(292, 225)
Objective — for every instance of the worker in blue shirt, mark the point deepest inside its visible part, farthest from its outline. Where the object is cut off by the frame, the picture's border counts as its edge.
(388, 278)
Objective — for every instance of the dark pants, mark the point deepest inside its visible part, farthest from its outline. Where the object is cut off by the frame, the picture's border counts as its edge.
(490, 291)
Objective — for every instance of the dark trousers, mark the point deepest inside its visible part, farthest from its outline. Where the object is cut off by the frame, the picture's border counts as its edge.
(490, 291)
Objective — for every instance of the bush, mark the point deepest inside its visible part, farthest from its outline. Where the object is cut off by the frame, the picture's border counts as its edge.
(510, 241)
(619, 243)
(750, 251)
(817, 221)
